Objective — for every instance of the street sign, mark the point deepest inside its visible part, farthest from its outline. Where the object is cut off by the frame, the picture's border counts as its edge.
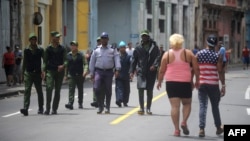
(134, 35)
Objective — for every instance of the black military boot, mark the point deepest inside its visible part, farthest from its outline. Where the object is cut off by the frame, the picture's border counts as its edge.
(69, 106)
(80, 106)
(40, 111)
(24, 112)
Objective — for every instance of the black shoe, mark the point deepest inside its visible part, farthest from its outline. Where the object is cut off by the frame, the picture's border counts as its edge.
(40, 111)
(80, 106)
(202, 133)
(141, 112)
(54, 112)
(94, 104)
(149, 112)
(69, 106)
(100, 110)
(24, 112)
(107, 111)
(125, 105)
(118, 103)
(46, 112)
(219, 130)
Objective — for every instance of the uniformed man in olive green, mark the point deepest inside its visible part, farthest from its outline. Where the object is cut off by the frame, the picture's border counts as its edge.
(32, 72)
(76, 74)
(53, 70)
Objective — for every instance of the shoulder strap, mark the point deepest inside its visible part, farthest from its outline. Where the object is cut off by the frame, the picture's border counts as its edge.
(185, 55)
(168, 58)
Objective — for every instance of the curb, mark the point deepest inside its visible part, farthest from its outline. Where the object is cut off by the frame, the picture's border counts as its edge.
(10, 94)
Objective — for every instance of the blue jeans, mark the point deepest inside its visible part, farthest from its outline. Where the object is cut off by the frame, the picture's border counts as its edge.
(213, 93)
(122, 90)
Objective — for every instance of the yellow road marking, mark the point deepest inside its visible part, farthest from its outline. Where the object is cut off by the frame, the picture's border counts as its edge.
(131, 112)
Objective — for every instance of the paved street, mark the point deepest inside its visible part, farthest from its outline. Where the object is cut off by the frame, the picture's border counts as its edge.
(123, 123)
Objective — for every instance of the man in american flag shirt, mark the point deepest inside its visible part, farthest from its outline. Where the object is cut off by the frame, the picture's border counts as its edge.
(211, 73)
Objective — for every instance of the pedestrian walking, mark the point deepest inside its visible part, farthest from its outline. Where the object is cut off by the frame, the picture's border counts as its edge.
(17, 70)
(245, 56)
(211, 73)
(178, 72)
(94, 103)
(130, 49)
(76, 74)
(8, 63)
(222, 53)
(104, 60)
(32, 72)
(122, 82)
(145, 61)
(53, 68)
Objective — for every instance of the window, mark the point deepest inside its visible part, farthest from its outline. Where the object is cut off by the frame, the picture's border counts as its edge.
(162, 7)
(39, 37)
(149, 25)
(238, 27)
(214, 24)
(232, 27)
(185, 21)
(149, 6)
(174, 19)
(210, 24)
(161, 26)
(205, 24)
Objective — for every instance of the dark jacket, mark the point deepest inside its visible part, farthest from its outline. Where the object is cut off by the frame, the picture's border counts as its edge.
(33, 59)
(125, 66)
(142, 60)
(75, 66)
(55, 58)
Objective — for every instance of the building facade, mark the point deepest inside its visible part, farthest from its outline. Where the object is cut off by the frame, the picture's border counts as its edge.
(125, 19)
(225, 19)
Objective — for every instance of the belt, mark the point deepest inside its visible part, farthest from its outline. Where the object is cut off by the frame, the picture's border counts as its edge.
(104, 69)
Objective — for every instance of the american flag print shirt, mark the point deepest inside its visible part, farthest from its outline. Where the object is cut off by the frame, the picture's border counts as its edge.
(207, 60)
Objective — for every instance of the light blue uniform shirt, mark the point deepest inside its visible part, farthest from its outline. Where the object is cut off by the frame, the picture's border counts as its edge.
(104, 58)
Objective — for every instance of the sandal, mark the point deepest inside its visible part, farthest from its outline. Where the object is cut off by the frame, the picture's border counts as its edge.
(184, 128)
(177, 133)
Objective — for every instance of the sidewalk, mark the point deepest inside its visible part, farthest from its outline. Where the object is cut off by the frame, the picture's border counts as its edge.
(18, 89)
(6, 91)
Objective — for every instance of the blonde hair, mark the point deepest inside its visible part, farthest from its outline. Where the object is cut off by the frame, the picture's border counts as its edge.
(176, 41)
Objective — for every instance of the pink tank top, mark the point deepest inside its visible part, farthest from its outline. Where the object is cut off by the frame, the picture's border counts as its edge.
(178, 70)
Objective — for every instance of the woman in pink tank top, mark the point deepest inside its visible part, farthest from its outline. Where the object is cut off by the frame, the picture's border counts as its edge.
(179, 65)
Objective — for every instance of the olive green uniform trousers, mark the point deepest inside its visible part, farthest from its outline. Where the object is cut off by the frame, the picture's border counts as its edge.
(76, 81)
(54, 79)
(29, 79)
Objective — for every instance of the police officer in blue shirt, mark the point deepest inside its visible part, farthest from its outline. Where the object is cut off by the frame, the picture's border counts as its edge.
(103, 61)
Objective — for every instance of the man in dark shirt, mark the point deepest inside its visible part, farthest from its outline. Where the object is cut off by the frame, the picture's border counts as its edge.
(75, 74)
(53, 70)
(32, 73)
(145, 61)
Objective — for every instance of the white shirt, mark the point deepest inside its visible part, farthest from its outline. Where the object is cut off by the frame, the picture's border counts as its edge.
(130, 51)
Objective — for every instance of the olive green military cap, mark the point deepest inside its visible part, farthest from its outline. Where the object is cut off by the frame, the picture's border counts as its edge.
(74, 43)
(145, 32)
(32, 35)
(54, 33)
(98, 38)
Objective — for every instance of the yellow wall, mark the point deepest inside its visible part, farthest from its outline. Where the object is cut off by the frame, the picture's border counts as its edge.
(56, 17)
(53, 22)
(27, 25)
(82, 24)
